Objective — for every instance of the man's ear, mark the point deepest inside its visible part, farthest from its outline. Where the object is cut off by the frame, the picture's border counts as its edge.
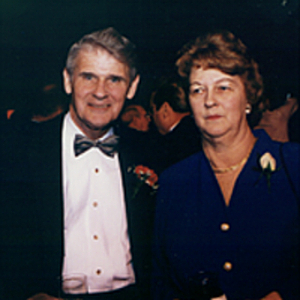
(133, 87)
(167, 107)
(67, 82)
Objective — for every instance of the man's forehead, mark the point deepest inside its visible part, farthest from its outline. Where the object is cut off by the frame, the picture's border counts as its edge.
(86, 51)
(86, 57)
(99, 57)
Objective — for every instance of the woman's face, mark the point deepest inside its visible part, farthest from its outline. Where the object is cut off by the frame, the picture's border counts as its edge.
(218, 101)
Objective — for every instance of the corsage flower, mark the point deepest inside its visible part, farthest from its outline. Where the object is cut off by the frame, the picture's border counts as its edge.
(267, 166)
(144, 176)
(267, 162)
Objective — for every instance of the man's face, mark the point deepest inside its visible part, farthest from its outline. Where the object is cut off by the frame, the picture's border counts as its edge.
(159, 119)
(136, 117)
(99, 86)
(141, 120)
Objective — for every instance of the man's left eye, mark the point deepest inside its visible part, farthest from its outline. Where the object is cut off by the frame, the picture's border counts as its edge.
(115, 79)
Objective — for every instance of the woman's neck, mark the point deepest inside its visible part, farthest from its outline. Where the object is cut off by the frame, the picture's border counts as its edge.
(228, 152)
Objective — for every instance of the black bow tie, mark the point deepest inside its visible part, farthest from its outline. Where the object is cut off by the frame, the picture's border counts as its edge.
(107, 146)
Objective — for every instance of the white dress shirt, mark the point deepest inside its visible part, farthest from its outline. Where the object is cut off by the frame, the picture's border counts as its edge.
(95, 230)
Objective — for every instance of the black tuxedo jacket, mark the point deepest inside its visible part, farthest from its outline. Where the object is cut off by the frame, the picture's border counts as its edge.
(32, 223)
(183, 141)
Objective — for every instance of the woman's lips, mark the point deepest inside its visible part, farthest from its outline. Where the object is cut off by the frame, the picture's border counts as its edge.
(213, 117)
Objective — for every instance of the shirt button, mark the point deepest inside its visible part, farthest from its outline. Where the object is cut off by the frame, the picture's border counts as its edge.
(96, 170)
(95, 203)
(227, 266)
(225, 226)
(95, 237)
(98, 272)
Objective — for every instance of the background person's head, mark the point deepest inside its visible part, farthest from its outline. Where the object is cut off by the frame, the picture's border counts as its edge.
(136, 117)
(168, 105)
(100, 74)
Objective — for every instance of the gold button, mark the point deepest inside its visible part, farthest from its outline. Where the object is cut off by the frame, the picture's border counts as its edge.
(225, 226)
(227, 266)
(98, 272)
(95, 237)
(95, 204)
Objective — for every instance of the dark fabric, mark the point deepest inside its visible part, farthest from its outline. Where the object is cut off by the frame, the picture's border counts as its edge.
(32, 214)
(165, 150)
(262, 242)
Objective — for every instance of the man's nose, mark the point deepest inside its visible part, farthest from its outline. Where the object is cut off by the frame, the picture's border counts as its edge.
(100, 90)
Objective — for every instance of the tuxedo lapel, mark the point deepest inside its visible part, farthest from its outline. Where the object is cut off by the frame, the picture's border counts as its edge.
(127, 187)
(45, 164)
(140, 216)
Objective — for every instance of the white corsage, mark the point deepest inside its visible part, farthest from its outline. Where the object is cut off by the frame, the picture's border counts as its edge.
(267, 162)
(267, 165)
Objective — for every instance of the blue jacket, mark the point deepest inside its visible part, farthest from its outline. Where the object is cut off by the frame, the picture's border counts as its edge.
(252, 245)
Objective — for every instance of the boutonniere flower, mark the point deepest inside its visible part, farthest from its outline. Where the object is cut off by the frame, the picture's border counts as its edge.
(267, 165)
(146, 176)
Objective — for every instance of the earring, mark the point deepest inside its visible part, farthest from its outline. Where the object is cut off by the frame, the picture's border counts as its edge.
(248, 108)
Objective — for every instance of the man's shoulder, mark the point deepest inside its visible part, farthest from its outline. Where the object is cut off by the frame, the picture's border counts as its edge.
(187, 121)
(52, 126)
(133, 144)
(45, 143)
(187, 129)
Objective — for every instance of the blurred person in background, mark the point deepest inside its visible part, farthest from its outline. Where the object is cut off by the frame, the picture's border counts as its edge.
(276, 121)
(135, 116)
(176, 136)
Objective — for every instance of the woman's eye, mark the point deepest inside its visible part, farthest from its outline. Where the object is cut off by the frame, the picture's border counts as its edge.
(224, 88)
(198, 90)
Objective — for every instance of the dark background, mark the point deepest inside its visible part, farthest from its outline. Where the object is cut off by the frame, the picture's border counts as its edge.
(36, 35)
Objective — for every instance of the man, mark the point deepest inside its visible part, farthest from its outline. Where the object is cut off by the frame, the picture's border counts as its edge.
(178, 135)
(82, 219)
(136, 117)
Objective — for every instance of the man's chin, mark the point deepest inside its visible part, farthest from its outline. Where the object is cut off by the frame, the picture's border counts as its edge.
(100, 127)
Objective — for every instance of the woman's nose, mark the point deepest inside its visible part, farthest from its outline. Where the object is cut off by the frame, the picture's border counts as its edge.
(210, 99)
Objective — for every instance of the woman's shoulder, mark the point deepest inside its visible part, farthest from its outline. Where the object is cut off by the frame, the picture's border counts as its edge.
(290, 153)
(184, 167)
(288, 156)
(266, 141)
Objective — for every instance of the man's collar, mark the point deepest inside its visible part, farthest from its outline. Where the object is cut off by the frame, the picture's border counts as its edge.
(174, 125)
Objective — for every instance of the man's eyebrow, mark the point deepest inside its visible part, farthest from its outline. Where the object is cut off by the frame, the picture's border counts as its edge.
(84, 73)
(117, 76)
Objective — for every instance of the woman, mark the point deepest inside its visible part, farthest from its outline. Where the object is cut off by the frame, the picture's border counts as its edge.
(227, 217)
